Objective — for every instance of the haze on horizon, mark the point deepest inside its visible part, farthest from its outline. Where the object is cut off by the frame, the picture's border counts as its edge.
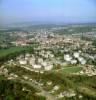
(55, 11)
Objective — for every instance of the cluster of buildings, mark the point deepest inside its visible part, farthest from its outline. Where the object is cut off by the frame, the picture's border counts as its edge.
(35, 63)
(88, 70)
(75, 58)
(47, 60)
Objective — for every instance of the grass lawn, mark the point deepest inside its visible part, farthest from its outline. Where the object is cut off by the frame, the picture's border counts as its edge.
(71, 69)
(12, 50)
(4, 52)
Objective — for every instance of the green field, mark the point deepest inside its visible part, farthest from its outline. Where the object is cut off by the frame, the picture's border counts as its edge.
(71, 69)
(12, 52)
(4, 52)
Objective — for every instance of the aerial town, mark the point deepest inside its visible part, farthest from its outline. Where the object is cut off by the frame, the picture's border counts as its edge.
(54, 60)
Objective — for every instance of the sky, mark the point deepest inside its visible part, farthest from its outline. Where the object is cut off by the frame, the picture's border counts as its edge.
(55, 11)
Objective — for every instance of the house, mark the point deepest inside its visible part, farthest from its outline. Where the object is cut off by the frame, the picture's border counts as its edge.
(56, 87)
(23, 62)
(51, 55)
(27, 55)
(49, 83)
(67, 57)
(48, 67)
(73, 61)
(37, 66)
(32, 61)
(76, 54)
(40, 60)
(82, 60)
(44, 64)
